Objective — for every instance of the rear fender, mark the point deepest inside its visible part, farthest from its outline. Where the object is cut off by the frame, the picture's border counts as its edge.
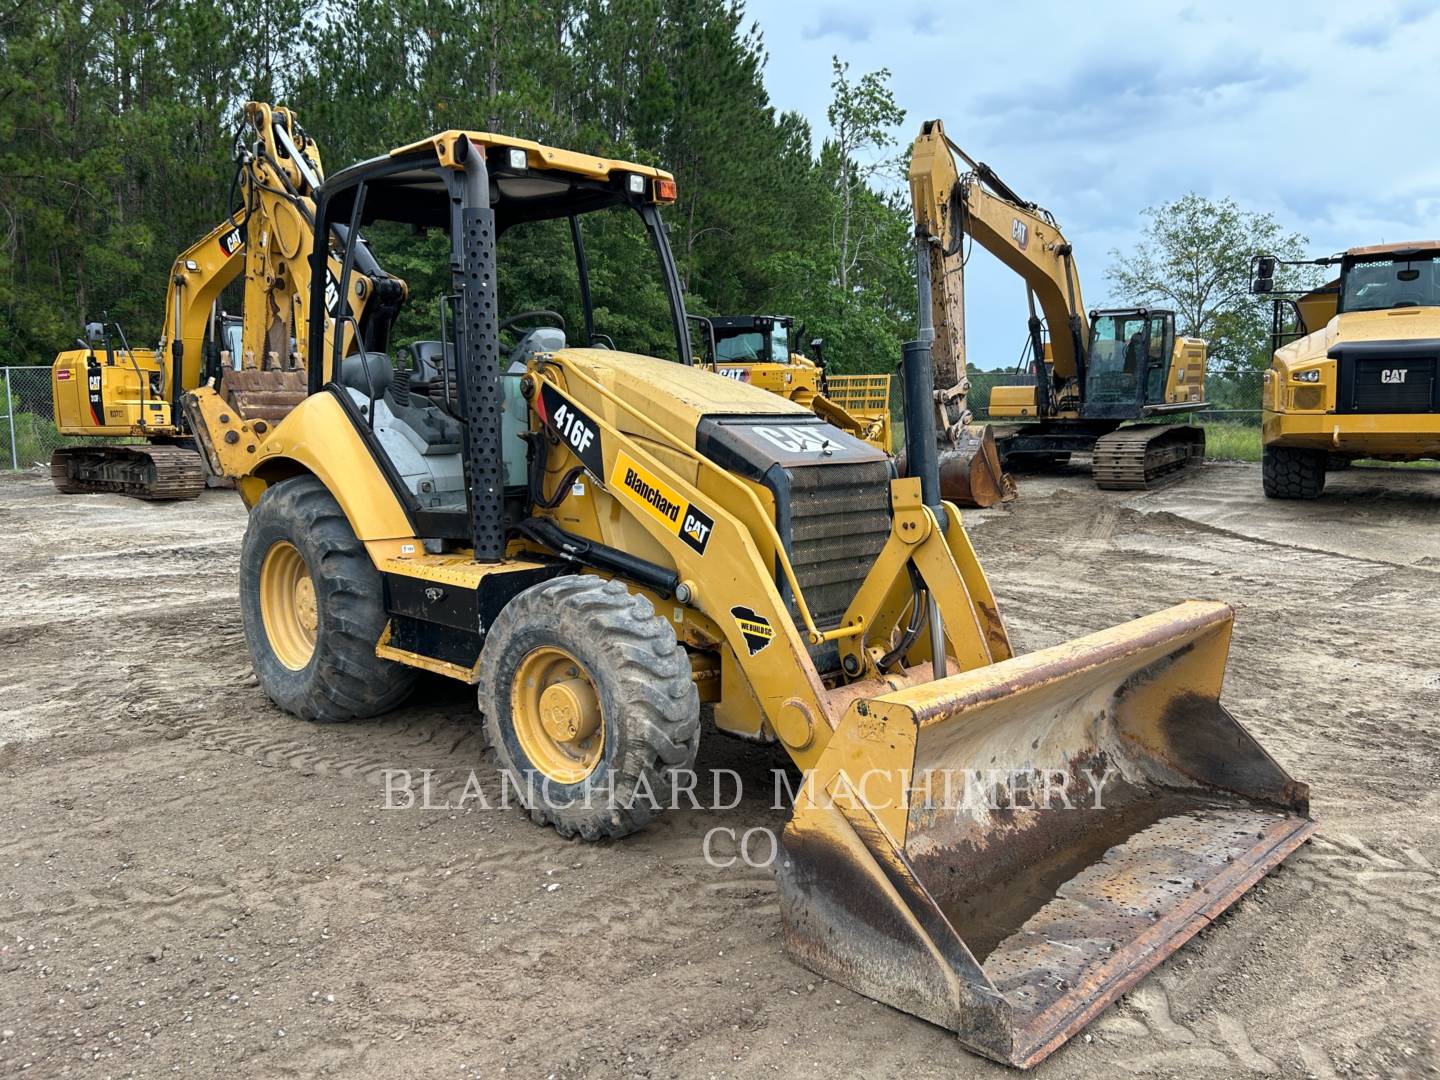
(318, 437)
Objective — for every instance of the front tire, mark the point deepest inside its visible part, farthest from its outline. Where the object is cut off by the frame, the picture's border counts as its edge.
(313, 607)
(1292, 473)
(588, 704)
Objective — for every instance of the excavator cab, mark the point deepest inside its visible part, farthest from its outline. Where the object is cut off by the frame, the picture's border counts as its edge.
(1128, 366)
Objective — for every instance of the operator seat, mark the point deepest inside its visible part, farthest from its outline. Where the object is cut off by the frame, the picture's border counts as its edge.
(370, 373)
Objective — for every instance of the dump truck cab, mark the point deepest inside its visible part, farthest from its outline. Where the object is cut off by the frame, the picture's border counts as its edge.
(1355, 366)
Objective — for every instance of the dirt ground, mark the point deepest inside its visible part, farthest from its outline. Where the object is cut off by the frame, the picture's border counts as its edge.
(194, 883)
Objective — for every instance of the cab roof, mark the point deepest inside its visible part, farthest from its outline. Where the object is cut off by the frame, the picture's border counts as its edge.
(538, 156)
(1387, 249)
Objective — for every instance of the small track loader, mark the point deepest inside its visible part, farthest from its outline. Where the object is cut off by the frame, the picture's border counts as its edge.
(601, 541)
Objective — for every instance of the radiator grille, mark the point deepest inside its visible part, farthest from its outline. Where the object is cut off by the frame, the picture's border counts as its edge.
(1385, 385)
(839, 521)
(1387, 376)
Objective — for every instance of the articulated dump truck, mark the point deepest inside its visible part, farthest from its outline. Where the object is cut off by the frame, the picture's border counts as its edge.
(601, 541)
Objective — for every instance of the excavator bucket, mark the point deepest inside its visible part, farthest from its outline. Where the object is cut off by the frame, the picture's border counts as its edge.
(1005, 851)
(970, 473)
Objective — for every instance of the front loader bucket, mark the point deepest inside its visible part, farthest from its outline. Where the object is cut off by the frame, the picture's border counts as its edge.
(970, 473)
(1005, 851)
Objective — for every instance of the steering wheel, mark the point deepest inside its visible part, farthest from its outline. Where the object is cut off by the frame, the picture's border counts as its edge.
(553, 318)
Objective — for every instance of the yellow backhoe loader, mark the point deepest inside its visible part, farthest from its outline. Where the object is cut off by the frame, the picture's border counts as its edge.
(1095, 374)
(1355, 371)
(600, 541)
(761, 350)
(106, 389)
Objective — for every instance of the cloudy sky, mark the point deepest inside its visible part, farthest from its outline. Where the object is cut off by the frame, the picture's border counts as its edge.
(1323, 113)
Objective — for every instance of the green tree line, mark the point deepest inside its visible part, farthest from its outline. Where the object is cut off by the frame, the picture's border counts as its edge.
(117, 119)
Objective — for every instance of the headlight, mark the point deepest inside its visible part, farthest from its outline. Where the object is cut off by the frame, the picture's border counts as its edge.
(517, 159)
(1308, 375)
(636, 183)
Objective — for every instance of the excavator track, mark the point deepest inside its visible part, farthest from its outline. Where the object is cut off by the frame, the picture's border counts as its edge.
(1141, 456)
(157, 473)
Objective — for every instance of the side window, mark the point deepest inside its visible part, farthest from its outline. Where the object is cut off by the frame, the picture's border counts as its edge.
(420, 257)
(1162, 338)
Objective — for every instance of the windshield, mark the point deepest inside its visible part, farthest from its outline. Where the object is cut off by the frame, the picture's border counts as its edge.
(1117, 356)
(749, 346)
(1390, 281)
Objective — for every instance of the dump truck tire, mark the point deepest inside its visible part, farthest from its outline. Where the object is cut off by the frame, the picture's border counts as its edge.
(313, 607)
(588, 705)
(1292, 473)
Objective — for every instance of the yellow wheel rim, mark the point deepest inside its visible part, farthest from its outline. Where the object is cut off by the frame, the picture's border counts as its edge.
(287, 605)
(557, 716)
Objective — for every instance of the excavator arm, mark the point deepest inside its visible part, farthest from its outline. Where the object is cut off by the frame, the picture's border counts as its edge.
(970, 465)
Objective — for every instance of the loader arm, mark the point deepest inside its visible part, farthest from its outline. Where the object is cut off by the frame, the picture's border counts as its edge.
(722, 520)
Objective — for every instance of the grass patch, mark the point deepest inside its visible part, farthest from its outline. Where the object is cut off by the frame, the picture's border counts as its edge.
(1241, 442)
(1371, 463)
(1232, 442)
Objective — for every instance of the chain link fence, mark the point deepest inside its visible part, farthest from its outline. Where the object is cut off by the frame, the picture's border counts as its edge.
(27, 418)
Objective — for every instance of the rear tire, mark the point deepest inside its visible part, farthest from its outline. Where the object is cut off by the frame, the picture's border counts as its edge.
(313, 607)
(592, 642)
(1292, 473)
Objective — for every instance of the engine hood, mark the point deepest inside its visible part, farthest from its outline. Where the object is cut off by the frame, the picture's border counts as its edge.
(1394, 325)
(675, 395)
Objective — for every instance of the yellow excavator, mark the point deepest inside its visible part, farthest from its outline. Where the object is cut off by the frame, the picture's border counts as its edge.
(601, 541)
(1355, 371)
(107, 389)
(1096, 373)
(761, 350)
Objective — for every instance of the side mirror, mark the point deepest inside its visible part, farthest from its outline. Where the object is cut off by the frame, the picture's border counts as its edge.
(1262, 275)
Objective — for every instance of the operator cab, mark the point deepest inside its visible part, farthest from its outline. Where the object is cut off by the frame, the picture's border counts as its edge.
(751, 339)
(1128, 361)
(1381, 281)
(571, 246)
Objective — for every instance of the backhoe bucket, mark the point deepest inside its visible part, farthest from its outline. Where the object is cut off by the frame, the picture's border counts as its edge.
(1005, 851)
(970, 473)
